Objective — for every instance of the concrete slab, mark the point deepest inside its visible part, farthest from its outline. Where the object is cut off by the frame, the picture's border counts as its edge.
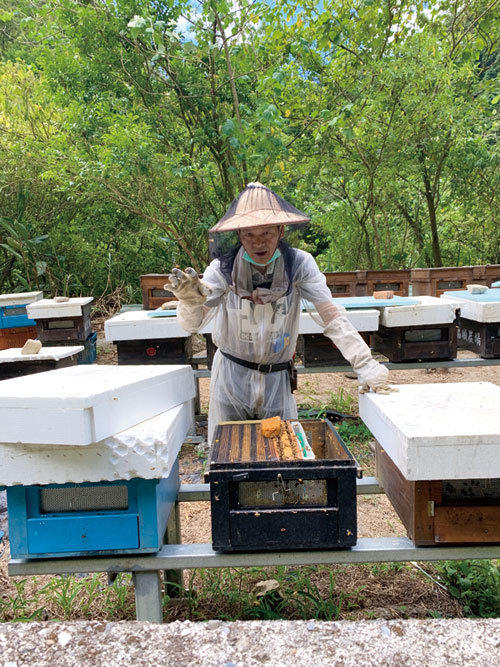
(430, 310)
(436, 642)
(147, 450)
(362, 320)
(438, 431)
(84, 404)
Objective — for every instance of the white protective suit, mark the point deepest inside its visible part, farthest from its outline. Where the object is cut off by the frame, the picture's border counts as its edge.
(261, 325)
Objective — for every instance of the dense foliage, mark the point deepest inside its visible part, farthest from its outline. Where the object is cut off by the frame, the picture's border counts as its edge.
(127, 127)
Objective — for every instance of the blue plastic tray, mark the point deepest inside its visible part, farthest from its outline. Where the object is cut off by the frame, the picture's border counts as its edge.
(357, 302)
(490, 295)
(162, 313)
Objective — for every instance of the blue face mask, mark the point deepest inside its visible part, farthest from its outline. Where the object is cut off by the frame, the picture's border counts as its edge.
(247, 258)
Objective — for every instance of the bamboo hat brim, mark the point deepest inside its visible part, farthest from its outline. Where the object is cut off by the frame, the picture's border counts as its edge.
(258, 206)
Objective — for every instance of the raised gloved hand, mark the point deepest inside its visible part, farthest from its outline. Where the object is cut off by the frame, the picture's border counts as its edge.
(371, 374)
(187, 287)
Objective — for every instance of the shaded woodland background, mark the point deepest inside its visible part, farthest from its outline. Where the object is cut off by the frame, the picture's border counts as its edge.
(128, 126)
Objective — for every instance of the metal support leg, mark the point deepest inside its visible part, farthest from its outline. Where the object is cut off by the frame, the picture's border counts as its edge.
(148, 601)
(197, 402)
(174, 584)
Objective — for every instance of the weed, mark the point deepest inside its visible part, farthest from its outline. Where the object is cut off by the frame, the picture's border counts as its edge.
(341, 401)
(475, 583)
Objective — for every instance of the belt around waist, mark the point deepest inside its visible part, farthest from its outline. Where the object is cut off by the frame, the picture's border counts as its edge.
(262, 368)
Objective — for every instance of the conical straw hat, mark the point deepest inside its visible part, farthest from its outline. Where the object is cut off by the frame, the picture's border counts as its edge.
(258, 206)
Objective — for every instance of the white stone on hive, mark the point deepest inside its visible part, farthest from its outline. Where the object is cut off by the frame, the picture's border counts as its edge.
(438, 431)
(20, 298)
(430, 310)
(47, 353)
(84, 404)
(147, 450)
(52, 309)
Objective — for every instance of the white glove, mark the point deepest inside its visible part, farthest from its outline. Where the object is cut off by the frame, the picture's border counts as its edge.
(371, 374)
(187, 287)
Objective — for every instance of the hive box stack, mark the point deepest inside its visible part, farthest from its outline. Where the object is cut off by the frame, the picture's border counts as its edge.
(479, 321)
(318, 350)
(15, 324)
(438, 459)
(259, 500)
(425, 329)
(13, 363)
(66, 323)
(89, 457)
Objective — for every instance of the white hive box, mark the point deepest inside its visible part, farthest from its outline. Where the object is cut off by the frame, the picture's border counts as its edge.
(47, 353)
(479, 307)
(362, 320)
(20, 299)
(438, 431)
(147, 450)
(138, 325)
(81, 405)
(51, 309)
(430, 310)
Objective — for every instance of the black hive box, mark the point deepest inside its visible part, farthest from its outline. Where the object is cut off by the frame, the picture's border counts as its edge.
(261, 502)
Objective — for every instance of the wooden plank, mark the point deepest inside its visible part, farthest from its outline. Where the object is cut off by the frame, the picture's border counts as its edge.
(409, 499)
(467, 524)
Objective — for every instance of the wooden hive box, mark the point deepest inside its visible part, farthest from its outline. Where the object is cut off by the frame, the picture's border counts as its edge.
(14, 364)
(62, 321)
(342, 283)
(142, 338)
(13, 309)
(479, 321)
(260, 501)
(397, 281)
(153, 291)
(434, 282)
(317, 350)
(438, 459)
(424, 331)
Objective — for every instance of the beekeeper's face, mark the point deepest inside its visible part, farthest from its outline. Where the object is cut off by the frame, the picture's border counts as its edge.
(261, 242)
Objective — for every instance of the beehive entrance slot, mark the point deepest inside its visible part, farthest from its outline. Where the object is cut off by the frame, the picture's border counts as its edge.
(84, 499)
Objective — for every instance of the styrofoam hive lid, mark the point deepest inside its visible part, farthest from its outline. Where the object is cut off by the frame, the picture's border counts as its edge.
(478, 307)
(20, 298)
(438, 431)
(49, 308)
(84, 404)
(147, 450)
(137, 325)
(46, 354)
(362, 320)
(429, 310)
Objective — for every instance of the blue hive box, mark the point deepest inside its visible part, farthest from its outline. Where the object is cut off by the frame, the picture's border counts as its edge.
(90, 519)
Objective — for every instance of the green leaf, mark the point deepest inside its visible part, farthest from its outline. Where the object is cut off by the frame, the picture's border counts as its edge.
(227, 127)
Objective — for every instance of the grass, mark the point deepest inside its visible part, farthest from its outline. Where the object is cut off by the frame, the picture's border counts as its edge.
(327, 593)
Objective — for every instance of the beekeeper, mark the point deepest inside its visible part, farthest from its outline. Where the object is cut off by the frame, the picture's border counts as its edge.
(254, 288)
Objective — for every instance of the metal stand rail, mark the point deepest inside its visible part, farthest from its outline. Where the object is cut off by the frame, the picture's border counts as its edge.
(174, 558)
(391, 365)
